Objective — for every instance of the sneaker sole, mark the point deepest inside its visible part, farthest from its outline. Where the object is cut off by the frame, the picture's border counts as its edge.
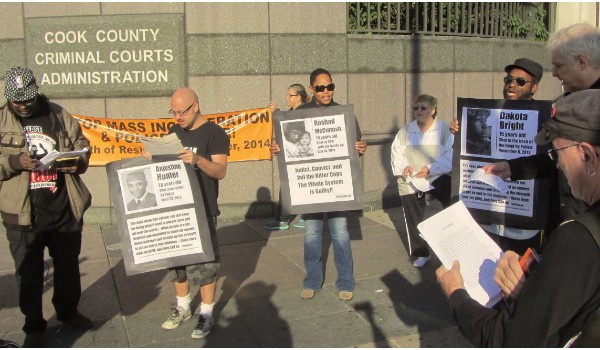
(421, 265)
(166, 326)
(200, 336)
(277, 229)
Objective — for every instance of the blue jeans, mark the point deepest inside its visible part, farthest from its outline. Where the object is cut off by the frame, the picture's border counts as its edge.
(313, 248)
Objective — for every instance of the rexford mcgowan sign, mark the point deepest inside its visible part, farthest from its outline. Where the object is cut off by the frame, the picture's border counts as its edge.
(107, 56)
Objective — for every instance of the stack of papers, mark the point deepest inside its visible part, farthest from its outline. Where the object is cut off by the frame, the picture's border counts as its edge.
(453, 234)
(168, 144)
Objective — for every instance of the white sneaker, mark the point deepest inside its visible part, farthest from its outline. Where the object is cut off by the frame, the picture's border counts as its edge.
(421, 261)
(178, 316)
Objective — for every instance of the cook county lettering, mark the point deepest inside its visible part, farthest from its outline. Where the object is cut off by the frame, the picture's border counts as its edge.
(105, 77)
(106, 56)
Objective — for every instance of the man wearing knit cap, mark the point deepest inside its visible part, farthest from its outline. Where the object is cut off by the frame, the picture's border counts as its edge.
(41, 208)
(558, 304)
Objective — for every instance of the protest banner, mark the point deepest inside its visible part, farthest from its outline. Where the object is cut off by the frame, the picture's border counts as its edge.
(116, 139)
(160, 213)
(492, 131)
(319, 166)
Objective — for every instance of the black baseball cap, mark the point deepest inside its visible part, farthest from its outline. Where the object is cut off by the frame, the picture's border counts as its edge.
(531, 67)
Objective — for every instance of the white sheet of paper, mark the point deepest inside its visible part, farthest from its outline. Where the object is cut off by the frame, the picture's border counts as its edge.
(168, 144)
(421, 184)
(49, 159)
(490, 179)
(453, 234)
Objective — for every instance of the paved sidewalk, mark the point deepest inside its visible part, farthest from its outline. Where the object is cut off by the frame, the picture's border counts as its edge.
(259, 305)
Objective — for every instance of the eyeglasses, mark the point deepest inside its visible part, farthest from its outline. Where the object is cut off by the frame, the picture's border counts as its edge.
(421, 108)
(181, 114)
(520, 81)
(321, 88)
(553, 153)
(292, 95)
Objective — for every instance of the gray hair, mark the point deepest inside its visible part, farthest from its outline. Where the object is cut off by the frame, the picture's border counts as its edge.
(578, 39)
(430, 100)
(300, 90)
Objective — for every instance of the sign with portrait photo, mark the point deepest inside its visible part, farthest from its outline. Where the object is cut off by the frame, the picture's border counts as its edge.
(319, 166)
(492, 131)
(160, 213)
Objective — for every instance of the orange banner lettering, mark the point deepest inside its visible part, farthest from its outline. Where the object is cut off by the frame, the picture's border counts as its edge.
(115, 139)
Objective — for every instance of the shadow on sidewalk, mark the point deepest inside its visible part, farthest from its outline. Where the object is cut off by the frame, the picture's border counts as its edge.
(238, 262)
(256, 315)
(10, 291)
(419, 303)
(378, 336)
(100, 302)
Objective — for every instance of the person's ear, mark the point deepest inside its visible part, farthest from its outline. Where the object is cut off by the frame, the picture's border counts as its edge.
(582, 62)
(534, 88)
(590, 155)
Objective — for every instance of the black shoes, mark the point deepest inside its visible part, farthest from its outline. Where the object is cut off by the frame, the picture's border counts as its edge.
(79, 322)
(34, 340)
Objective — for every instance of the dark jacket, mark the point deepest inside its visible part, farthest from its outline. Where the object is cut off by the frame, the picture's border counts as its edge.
(557, 298)
(15, 203)
(563, 205)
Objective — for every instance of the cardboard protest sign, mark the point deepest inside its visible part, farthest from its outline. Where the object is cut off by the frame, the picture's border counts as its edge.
(319, 166)
(160, 213)
(492, 131)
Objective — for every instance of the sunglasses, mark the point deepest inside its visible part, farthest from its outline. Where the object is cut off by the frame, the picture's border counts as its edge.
(321, 88)
(421, 108)
(520, 81)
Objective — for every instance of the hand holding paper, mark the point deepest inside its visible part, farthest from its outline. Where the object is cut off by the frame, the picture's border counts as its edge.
(52, 157)
(453, 234)
(420, 184)
(450, 280)
(490, 179)
(169, 144)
